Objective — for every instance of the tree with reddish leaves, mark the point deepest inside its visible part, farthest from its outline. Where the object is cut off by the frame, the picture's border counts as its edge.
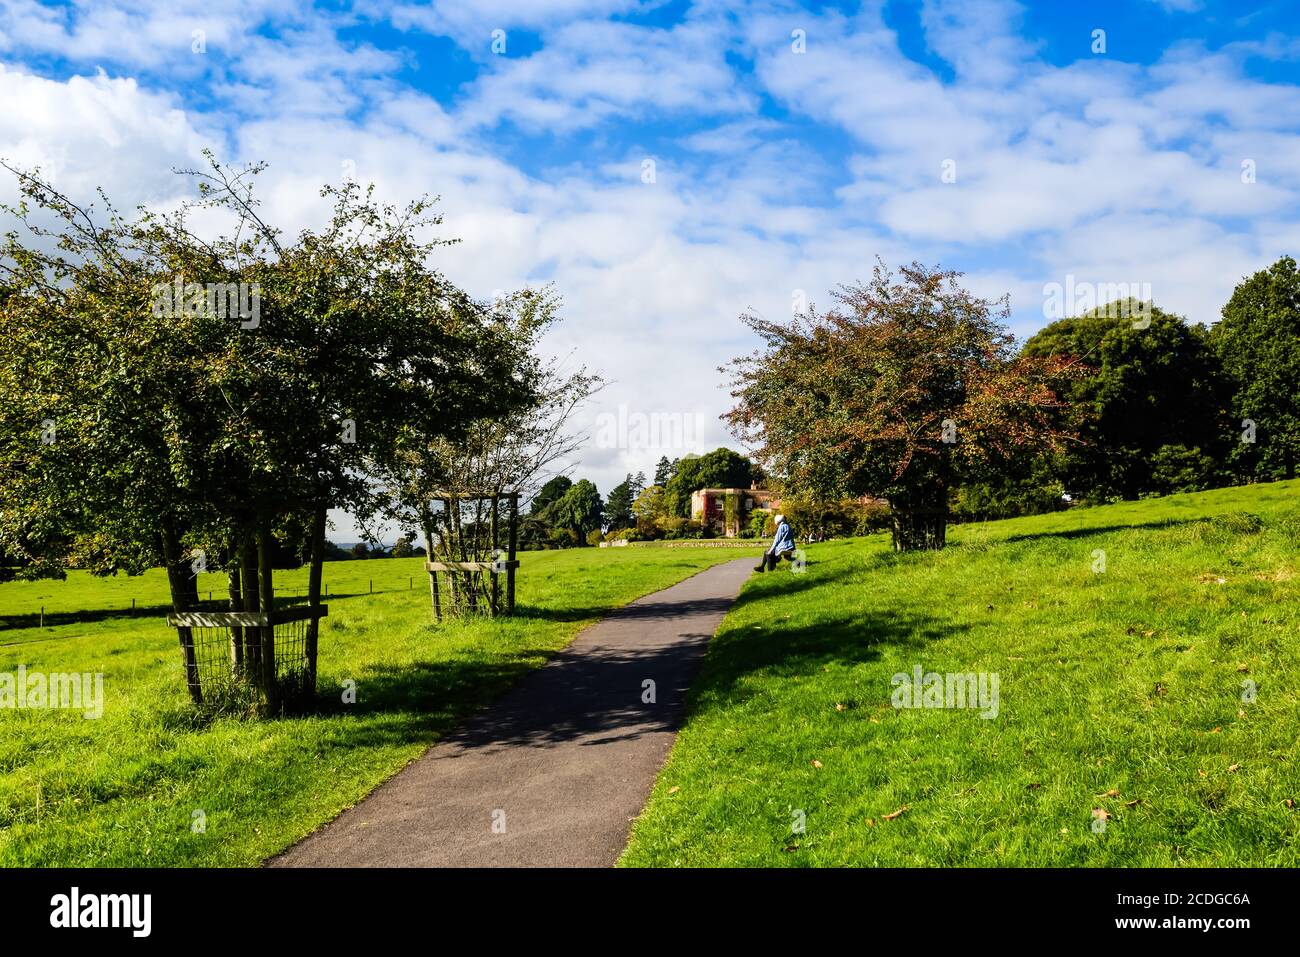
(906, 388)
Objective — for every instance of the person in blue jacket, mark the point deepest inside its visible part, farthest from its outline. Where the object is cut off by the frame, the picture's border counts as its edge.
(782, 547)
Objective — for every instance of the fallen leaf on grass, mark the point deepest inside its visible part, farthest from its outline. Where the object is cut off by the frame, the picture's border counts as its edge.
(899, 813)
(1133, 803)
(674, 789)
(1101, 812)
(816, 763)
(839, 707)
(1112, 793)
(1232, 768)
(1289, 802)
(1201, 773)
(1242, 668)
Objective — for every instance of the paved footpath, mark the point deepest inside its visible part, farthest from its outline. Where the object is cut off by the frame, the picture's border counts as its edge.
(553, 773)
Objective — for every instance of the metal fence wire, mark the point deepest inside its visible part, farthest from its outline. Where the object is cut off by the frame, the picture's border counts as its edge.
(466, 593)
(228, 658)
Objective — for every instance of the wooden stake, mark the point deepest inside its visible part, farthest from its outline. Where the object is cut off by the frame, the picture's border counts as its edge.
(510, 555)
(252, 636)
(427, 526)
(236, 632)
(267, 596)
(313, 594)
(496, 548)
(180, 602)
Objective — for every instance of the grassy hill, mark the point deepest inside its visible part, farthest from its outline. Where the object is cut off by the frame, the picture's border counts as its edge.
(123, 790)
(1121, 737)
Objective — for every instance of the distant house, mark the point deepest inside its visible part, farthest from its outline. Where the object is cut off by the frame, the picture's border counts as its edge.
(728, 510)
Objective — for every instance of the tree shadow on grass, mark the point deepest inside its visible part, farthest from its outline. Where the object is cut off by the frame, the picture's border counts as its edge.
(55, 619)
(784, 649)
(594, 693)
(640, 609)
(785, 582)
(409, 703)
(155, 612)
(593, 696)
(1073, 533)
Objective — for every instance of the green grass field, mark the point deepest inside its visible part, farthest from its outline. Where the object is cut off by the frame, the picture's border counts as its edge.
(124, 790)
(1120, 690)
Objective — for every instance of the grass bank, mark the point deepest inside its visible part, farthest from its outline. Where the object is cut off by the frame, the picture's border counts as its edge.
(133, 787)
(1123, 639)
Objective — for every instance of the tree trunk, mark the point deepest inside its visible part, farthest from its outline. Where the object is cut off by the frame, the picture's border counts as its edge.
(313, 594)
(426, 525)
(513, 519)
(253, 634)
(494, 555)
(179, 586)
(236, 604)
(919, 518)
(267, 608)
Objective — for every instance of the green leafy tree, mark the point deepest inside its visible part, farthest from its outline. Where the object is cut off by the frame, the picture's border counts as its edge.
(404, 547)
(663, 471)
(1258, 342)
(500, 453)
(618, 505)
(721, 468)
(141, 419)
(579, 510)
(549, 494)
(649, 508)
(907, 388)
(1147, 402)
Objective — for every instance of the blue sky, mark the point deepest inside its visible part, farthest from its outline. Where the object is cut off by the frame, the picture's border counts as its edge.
(790, 145)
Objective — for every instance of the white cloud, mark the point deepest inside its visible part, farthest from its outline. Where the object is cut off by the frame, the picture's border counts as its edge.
(589, 72)
(1101, 169)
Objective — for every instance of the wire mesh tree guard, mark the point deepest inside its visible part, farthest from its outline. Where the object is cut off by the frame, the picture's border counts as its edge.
(471, 546)
(229, 654)
(255, 651)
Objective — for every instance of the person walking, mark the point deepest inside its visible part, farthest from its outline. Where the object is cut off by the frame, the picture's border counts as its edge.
(782, 547)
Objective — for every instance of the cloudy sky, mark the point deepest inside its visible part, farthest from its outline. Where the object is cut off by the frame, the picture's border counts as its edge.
(671, 165)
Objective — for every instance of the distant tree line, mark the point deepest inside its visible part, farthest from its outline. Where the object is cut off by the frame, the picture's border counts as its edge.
(1170, 406)
(914, 390)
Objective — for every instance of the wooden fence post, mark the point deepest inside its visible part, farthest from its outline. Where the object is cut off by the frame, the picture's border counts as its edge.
(510, 556)
(180, 601)
(313, 594)
(267, 609)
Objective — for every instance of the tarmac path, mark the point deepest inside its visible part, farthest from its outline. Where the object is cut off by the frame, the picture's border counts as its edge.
(553, 773)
